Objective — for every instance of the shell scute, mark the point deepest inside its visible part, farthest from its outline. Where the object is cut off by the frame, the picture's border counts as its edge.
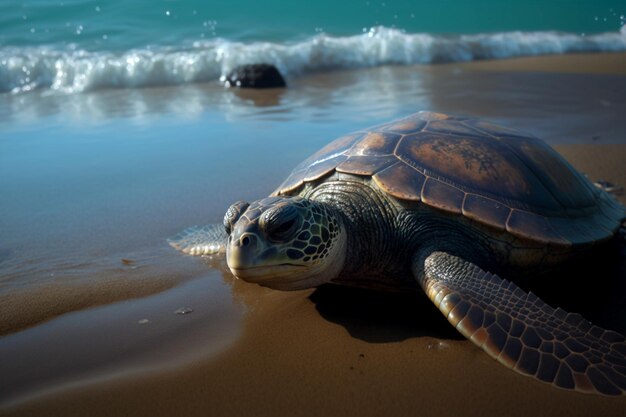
(442, 196)
(605, 222)
(477, 165)
(533, 227)
(612, 208)
(292, 183)
(375, 144)
(486, 210)
(587, 227)
(554, 173)
(364, 165)
(322, 167)
(401, 181)
(452, 127)
(409, 124)
(335, 148)
(496, 130)
(431, 116)
(598, 228)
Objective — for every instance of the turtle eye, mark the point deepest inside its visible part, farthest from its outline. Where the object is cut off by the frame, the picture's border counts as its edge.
(233, 213)
(280, 223)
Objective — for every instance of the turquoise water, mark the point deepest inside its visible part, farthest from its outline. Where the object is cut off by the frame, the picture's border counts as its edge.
(79, 45)
(123, 24)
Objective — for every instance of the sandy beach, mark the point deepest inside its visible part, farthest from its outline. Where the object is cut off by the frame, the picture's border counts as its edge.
(246, 350)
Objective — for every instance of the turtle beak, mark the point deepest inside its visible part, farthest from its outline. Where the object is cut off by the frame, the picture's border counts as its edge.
(242, 252)
(251, 259)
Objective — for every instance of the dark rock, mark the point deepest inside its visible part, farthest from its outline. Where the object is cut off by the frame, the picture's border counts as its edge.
(255, 76)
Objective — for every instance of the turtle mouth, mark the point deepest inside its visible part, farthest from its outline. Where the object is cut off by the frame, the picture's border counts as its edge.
(277, 276)
(276, 271)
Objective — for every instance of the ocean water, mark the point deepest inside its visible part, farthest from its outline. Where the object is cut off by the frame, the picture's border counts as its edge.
(80, 45)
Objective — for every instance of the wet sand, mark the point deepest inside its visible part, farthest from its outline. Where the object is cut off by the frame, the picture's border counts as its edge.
(113, 280)
(583, 63)
(329, 351)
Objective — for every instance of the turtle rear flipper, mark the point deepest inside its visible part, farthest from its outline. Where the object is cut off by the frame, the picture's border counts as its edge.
(201, 240)
(522, 332)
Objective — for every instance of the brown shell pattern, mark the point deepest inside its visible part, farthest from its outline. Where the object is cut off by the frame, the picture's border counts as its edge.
(491, 174)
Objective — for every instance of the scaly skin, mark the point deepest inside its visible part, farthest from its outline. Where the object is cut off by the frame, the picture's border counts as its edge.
(285, 243)
(521, 331)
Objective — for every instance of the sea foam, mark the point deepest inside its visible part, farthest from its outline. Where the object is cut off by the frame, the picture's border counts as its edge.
(73, 71)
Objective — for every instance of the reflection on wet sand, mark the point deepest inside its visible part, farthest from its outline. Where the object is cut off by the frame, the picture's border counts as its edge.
(132, 337)
(546, 104)
(310, 98)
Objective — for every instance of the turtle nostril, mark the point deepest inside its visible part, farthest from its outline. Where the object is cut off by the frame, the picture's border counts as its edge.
(247, 240)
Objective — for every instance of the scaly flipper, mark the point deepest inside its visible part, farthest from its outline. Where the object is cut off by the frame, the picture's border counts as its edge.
(206, 240)
(521, 331)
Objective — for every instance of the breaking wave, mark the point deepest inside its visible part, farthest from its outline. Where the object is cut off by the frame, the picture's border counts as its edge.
(74, 70)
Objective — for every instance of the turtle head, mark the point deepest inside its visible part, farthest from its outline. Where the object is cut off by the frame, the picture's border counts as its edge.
(284, 243)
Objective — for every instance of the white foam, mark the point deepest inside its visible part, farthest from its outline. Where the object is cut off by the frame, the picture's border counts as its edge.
(71, 71)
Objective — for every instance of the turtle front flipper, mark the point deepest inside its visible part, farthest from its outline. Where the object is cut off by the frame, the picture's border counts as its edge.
(521, 331)
(201, 240)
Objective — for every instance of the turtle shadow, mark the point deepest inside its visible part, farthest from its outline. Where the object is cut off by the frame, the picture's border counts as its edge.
(381, 317)
(593, 285)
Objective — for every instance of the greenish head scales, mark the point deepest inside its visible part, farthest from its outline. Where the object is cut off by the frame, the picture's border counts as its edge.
(284, 243)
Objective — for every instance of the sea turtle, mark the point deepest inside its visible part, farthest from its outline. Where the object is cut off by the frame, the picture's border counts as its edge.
(442, 204)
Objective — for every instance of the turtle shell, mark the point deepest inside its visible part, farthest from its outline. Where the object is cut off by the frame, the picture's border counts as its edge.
(499, 177)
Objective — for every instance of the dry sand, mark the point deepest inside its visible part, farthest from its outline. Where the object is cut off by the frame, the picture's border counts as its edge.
(336, 351)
